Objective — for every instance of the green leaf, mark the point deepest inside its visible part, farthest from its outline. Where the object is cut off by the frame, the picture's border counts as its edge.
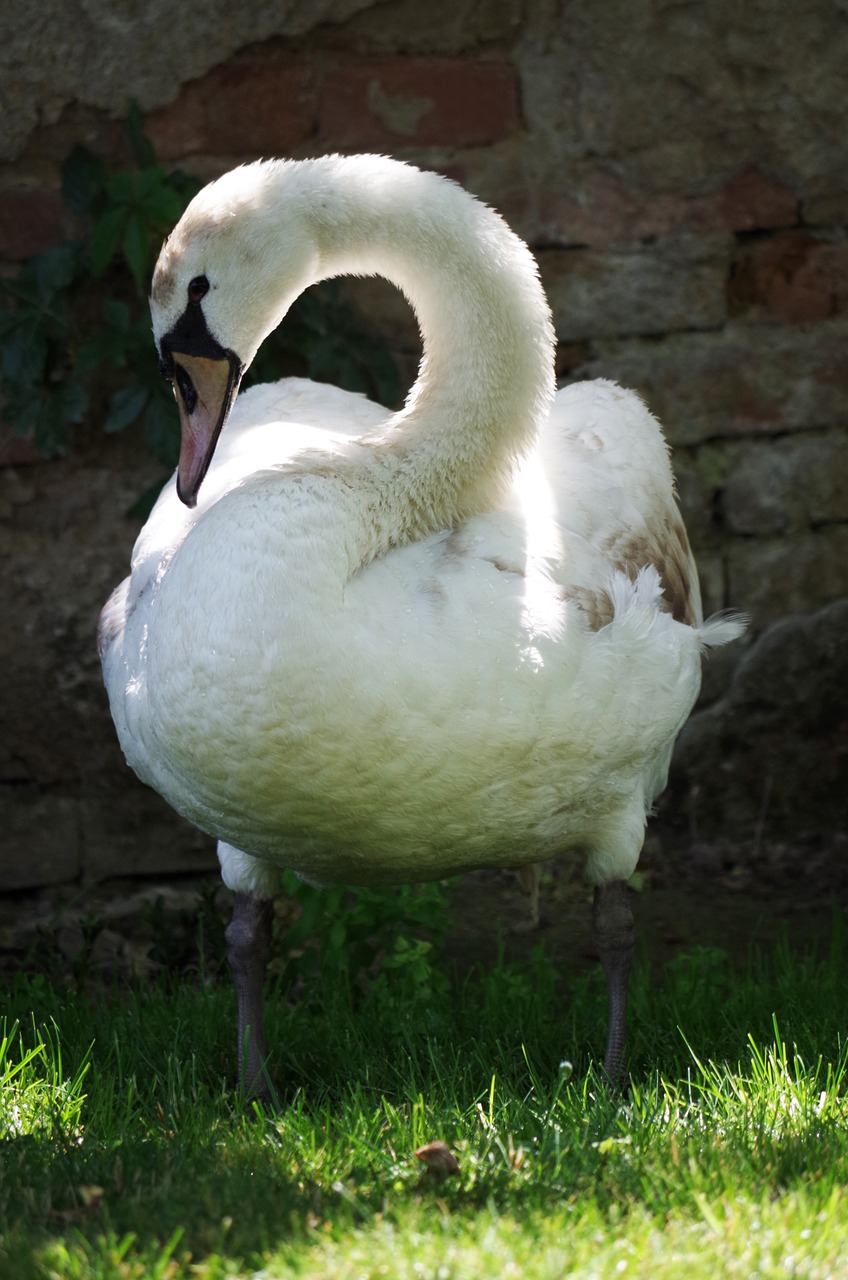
(46, 415)
(22, 408)
(55, 269)
(104, 347)
(139, 141)
(185, 185)
(83, 177)
(162, 206)
(337, 934)
(116, 314)
(24, 356)
(331, 362)
(23, 287)
(146, 501)
(9, 321)
(106, 237)
(72, 399)
(162, 427)
(124, 407)
(136, 249)
(51, 434)
(121, 188)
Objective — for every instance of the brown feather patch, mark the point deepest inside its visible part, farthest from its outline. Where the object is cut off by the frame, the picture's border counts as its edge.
(596, 606)
(665, 546)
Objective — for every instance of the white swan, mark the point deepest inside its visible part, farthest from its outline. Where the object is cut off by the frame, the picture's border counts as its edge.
(379, 648)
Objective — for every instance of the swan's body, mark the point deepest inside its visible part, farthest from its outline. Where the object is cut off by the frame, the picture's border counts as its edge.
(389, 648)
(453, 704)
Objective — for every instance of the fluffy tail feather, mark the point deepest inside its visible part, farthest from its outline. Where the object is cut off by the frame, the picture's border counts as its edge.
(721, 628)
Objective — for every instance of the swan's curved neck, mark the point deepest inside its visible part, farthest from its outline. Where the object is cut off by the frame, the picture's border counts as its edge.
(486, 377)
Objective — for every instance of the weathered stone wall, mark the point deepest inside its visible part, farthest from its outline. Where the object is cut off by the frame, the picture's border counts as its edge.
(680, 172)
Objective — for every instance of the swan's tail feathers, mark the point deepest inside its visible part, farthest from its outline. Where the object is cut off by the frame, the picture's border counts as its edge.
(721, 628)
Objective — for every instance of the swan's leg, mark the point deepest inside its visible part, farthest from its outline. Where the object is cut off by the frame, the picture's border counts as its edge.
(254, 883)
(248, 947)
(614, 936)
(530, 878)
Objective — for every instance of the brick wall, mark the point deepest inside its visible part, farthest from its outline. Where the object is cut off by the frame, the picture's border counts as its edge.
(680, 174)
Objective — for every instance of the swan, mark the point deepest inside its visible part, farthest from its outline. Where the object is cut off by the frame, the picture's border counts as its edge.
(383, 647)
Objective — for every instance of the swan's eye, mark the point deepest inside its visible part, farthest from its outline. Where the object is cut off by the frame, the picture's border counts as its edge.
(198, 288)
(186, 387)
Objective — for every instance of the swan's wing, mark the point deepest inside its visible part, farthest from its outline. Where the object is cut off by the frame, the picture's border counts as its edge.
(612, 490)
(269, 425)
(312, 404)
(273, 422)
(595, 498)
(112, 620)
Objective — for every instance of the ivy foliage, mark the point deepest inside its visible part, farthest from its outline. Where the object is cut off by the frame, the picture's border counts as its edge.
(75, 328)
(343, 935)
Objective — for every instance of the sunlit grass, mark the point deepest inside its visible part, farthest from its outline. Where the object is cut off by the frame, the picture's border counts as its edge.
(126, 1152)
(37, 1098)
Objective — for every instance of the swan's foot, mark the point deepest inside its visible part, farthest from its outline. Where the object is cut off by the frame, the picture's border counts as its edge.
(614, 936)
(248, 947)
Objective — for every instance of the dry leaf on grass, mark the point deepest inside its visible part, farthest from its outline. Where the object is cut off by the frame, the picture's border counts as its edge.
(438, 1158)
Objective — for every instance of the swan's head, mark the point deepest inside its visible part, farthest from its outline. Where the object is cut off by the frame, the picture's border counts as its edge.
(227, 274)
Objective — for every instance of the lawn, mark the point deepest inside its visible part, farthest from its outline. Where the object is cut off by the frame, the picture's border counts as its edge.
(127, 1153)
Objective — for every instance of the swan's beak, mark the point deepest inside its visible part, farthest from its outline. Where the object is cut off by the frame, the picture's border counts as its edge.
(204, 388)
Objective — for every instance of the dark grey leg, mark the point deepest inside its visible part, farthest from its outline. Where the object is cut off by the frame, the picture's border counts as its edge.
(248, 947)
(614, 935)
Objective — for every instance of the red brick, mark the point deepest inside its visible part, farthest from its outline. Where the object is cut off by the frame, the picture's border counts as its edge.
(791, 277)
(599, 211)
(14, 451)
(399, 101)
(605, 211)
(255, 104)
(31, 220)
(751, 201)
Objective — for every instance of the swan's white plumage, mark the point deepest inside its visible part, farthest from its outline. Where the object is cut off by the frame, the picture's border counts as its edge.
(387, 648)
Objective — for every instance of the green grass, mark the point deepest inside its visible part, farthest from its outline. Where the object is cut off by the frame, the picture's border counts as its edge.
(125, 1152)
